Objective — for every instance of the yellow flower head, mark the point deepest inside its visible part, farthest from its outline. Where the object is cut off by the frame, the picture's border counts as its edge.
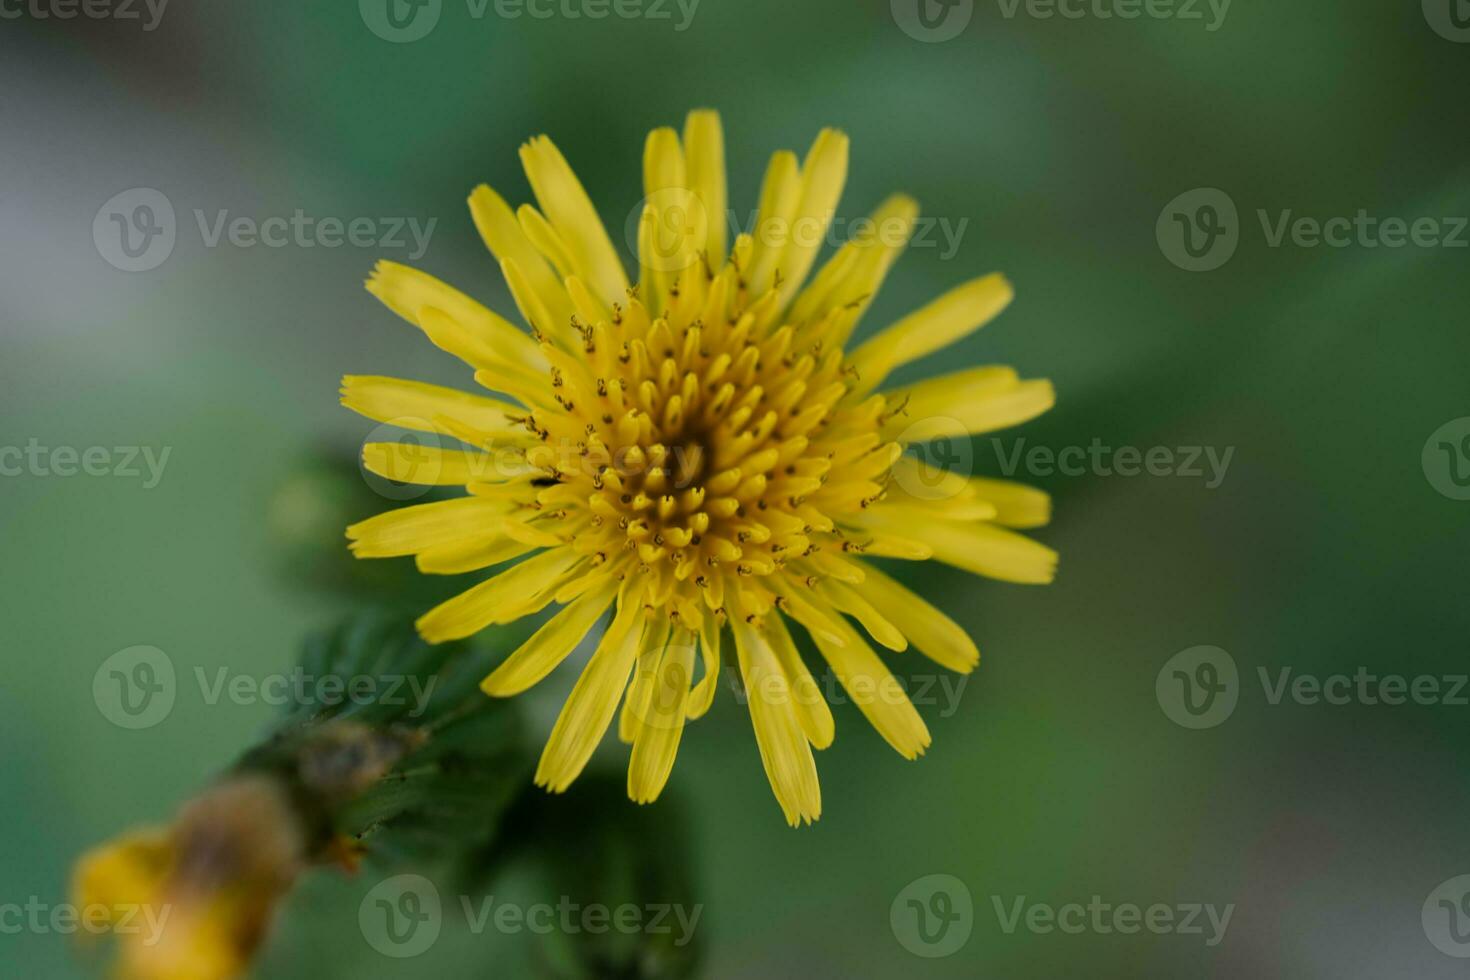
(696, 450)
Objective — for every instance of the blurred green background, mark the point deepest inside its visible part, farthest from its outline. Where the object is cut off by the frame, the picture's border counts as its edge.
(1059, 142)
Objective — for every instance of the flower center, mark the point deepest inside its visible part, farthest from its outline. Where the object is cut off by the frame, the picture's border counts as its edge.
(699, 444)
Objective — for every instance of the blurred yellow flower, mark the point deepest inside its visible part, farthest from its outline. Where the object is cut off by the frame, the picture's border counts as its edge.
(698, 449)
(193, 901)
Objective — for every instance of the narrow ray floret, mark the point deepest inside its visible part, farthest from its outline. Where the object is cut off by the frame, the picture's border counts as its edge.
(699, 457)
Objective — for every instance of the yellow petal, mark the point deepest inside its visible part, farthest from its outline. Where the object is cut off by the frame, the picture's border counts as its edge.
(940, 638)
(897, 511)
(955, 496)
(823, 175)
(795, 603)
(811, 707)
(414, 405)
(502, 599)
(531, 534)
(1016, 505)
(952, 316)
(965, 403)
(126, 872)
(410, 530)
(876, 692)
(845, 599)
(589, 709)
(704, 152)
(571, 213)
(548, 321)
(549, 645)
(479, 335)
(785, 750)
(672, 230)
(857, 271)
(471, 554)
(916, 479)
(544, 237)
(975, 546)
(780, 197)
(641, 688)
(661, 718)
(429, 466)
(503, 235)
(885, 544)
(709, 648)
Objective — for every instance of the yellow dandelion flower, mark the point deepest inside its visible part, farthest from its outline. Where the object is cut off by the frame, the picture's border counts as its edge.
(696, 450)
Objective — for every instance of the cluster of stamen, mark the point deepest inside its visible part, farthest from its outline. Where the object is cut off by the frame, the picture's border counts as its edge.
(698, 446)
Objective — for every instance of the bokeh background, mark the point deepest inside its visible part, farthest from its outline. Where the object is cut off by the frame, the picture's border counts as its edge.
(1058, 142)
